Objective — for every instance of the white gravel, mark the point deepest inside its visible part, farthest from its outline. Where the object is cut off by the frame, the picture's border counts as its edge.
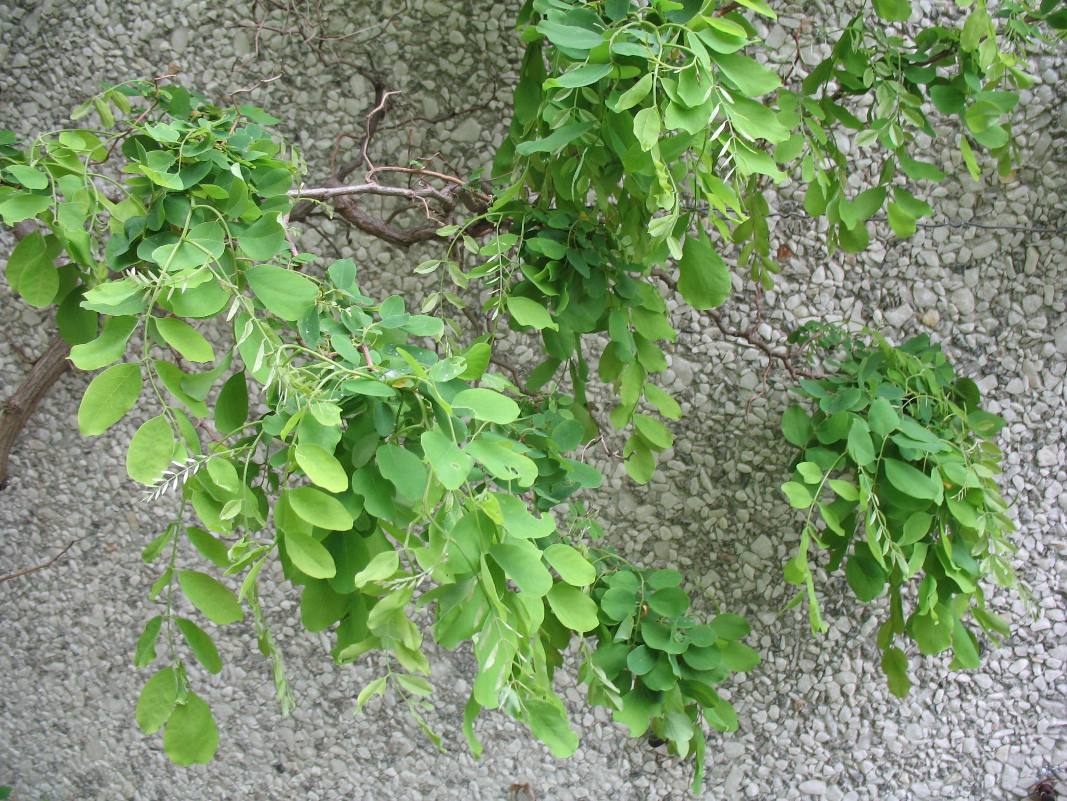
(817, 721)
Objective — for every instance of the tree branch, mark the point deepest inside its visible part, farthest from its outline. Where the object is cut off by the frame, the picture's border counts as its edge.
(19, 407)
(33, 569)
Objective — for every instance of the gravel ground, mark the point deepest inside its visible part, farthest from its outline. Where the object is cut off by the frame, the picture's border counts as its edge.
(816, 718)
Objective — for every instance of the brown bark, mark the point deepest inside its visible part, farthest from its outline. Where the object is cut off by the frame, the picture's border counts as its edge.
(19, 407)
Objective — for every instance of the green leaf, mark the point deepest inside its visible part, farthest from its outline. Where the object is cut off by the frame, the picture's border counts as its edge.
(404, 470)
(530, 313)
(569, 36)
(22, 206)
(488, 405)
(185, 339)
(860, 445)
(573, 608)
(372, 690)
(145, 653)
(704, 279)
(309, 555)
(893, 11)
(262, 240)
(449, 463)
(635, 94)
(231, 407)
(910, 480)
(739, 657)
(669, 602)
(31, 269)
(864, 575)
(29, 177)
(202, 245)
(798, 495)
(319, 509)
(895, 667)
(618, 603)
(557, 140)
(151, 450)
(216, 601)
(383, 566)
(647, 127)
(584, 75)
(796, 426)
(521, 562)
(654, 431)
(321, 466)
(201, 644)
(641, 660)
(503, 461)
(108, 398)
(519, 522)
(572, 567)
(882, 417)
(549, 724)
(286, 293)
(191, 736)
(157, 699)
(751, 77)
(107, 348)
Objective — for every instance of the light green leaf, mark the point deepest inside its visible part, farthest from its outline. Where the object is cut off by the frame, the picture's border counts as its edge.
(569, 36)
(201, 644)
(191, 736)
(321, 466)
(704, 279)
(647, 127)
(584, 75)
(555, 141)
(319, 509)
(449, 463)
(895, 667)
(860, 445)
(500, 458)
(309, 555)
(107, 348)
(572, 567)
(185, 339)
(910, 480)
(109, 396)
(157, 699)
(549, 725)
(488, 405)
(262, 240)
(635, 94)
(285, 293)
(31, 269)
(521, 561)
(574, 609)
(751, 77)
(799, 496)
(151, 450)
(216, 601)
(531, 313)
(383, 566)
(231, 407)
(404, 470)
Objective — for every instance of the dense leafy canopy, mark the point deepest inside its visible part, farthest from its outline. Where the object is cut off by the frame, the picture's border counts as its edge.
(370, 450)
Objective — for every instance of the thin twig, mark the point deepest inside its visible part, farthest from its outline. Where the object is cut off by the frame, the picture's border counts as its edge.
(27, 570)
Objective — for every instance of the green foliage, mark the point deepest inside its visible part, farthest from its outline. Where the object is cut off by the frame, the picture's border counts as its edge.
(373, 454)
(897, 473)
(384, 476)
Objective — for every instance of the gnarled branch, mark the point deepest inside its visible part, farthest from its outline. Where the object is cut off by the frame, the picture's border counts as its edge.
(19, 407)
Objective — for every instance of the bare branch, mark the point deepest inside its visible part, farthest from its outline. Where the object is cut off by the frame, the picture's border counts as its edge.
(19, 407)
(27, 570)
